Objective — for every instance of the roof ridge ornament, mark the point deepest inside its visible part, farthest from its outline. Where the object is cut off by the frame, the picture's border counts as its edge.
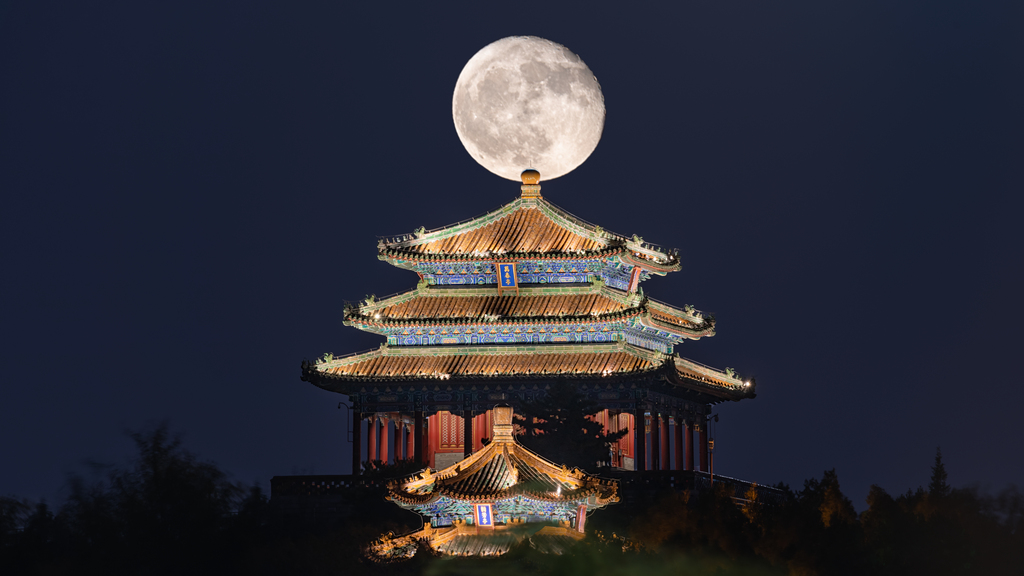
(502, 425)
(531, 183)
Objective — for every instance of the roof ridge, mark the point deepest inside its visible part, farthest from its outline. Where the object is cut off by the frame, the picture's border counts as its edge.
(591, 234)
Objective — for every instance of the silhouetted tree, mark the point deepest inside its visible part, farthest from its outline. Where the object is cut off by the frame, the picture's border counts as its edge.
(13, 513)
(938, 486)
(170, 513)
(565, 431)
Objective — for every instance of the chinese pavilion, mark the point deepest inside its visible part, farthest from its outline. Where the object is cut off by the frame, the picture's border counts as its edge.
(493, 499)
(506, 303)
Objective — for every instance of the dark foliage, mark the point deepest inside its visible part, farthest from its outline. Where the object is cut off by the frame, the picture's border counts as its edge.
(170, 513)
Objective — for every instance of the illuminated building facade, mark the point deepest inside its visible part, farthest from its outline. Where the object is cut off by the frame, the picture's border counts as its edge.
(506, 304)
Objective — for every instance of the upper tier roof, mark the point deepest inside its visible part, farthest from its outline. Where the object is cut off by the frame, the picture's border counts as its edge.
(525, 230)
(526, 227)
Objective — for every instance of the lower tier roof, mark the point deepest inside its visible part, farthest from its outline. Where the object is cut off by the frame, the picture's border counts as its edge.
(445, 362)
(508, 362)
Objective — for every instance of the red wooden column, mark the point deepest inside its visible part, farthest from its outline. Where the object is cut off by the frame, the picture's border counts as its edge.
(433, 438)
(666, 464)
(398, 440)
(418, 433)
(703, 447)
(640, 440)
(688, 447)
(479, 428)
(357, 442)
(677, 430)
(385, 427)
(655, 441)
(371, 443)
(629, 440)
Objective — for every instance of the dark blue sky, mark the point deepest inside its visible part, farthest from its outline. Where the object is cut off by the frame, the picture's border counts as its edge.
(191, 191)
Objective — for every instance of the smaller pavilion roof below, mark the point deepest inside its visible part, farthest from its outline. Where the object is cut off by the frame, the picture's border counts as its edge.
(516, 486)
(502, 470)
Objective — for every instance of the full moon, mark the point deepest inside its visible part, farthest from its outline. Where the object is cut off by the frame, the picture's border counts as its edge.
(526, 102)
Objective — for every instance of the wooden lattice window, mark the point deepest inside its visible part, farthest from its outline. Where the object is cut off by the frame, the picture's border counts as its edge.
(452, 430)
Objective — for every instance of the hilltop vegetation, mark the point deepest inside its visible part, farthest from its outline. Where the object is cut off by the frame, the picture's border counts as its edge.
(171, 513)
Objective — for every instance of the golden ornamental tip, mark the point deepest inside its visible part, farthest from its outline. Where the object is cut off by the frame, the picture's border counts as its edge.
(531, 183)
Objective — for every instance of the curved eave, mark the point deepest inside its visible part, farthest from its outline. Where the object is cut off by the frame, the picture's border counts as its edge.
(682, 332)
(657, 266)
(693, 318)
(705, 380)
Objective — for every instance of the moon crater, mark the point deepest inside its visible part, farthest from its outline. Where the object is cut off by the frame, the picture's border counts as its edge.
(526, 102)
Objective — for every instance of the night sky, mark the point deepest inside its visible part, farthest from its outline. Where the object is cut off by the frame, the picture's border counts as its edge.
(192, 190)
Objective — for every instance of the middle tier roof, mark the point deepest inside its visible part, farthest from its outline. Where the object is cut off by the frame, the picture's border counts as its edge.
(487, 303)
(557, 313)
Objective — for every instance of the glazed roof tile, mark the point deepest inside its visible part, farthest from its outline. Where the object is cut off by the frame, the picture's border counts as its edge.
(527, 226)
(410, 364)
(433, 362)
(453, 305)
(526, 230)
(587, 303)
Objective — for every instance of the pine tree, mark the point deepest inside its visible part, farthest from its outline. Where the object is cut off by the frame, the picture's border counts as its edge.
(564, 431)
(938, 486)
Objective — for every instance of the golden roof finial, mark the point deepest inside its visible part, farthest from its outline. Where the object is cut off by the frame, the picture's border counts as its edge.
(531, 183)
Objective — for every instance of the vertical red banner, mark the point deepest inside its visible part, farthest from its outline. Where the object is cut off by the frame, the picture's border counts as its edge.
(581, 517)
(634, 279)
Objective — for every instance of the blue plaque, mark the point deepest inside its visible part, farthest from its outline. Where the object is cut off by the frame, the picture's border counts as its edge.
(507, 276)
(483, 515)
